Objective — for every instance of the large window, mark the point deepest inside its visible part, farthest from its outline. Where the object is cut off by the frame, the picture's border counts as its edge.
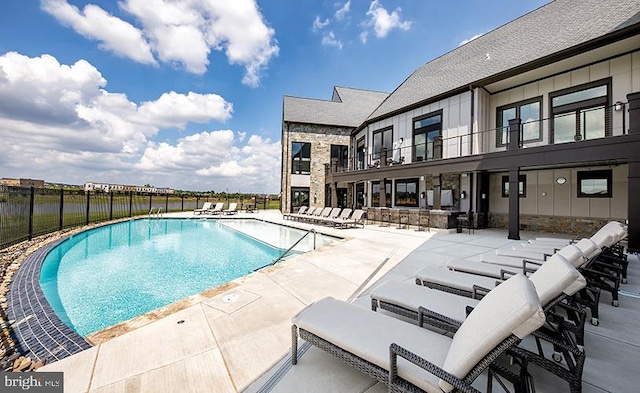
(426, 131)
(341, 153)
(301, 158)
(529, 114)
(522, 186)
(299, 198)
(382, 138)
(360, 153)
(595, 184)
(375, 194)
(407, 192)
(580, 113)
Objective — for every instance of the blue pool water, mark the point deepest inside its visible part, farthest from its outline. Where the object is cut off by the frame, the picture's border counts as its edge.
(110, 274)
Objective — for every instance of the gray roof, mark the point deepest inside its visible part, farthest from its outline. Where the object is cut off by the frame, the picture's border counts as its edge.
(559, 25)
(348, 107)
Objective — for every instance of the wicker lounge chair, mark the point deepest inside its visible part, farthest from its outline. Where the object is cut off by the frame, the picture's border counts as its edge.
(205, 207)
(556, 281)
(429, 361)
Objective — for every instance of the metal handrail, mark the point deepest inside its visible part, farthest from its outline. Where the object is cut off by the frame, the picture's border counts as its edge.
(291, 248)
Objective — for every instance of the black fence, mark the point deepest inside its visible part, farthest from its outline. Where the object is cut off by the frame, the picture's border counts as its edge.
(29, 212)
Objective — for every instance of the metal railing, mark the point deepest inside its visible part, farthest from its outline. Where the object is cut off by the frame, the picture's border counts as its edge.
(291, 248)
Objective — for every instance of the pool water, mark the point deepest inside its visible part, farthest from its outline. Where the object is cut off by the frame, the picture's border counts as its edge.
(110, 274)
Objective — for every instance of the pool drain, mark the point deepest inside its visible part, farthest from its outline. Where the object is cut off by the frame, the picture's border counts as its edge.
(230, 298)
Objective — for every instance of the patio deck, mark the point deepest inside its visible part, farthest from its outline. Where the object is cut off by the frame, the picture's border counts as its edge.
(237, 343)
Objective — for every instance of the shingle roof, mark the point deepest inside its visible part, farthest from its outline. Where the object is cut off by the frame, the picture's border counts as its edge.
(348, 107)
(557, 26)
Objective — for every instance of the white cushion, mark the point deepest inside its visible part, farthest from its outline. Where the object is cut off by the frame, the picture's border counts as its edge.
(573, 254)
(452, 279)
(483, 269)
(588, 248)
(511, 308)
(521, 253)
(513, 262)
(603, 238)
(368, 335)
(554, 277)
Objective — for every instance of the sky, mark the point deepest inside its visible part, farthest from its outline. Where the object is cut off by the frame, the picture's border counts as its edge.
(187, 94)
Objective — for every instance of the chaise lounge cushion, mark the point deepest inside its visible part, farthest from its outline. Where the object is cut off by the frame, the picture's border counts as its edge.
(512, 307)
(556, 276)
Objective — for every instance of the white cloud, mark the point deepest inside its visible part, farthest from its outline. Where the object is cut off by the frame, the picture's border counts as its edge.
(319, 24)
(382, 21)
(114, 34)
(470, 39)
(343, 11)
(329, 39)
(182, 33)
(70, 129)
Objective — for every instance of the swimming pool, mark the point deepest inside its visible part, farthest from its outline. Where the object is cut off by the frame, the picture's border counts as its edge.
(113, 273)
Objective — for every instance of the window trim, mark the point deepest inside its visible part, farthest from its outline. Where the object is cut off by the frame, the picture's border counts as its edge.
(606, 174)
(415, 181)
(576, 106)
(517, 105)
(379, 184)
(300, 159)
(522, 178)
(425, 130)
(376, 155)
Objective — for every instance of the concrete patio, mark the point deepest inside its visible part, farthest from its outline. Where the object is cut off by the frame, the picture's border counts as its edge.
(238, 337)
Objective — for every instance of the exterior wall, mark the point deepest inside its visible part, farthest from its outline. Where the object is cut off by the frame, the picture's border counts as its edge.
(625, 78)
(321, 138)
(546, 198)
(456, 126)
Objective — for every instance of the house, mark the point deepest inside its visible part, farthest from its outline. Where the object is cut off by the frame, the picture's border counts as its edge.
(534, 125)
(316, 135)
(6, 181)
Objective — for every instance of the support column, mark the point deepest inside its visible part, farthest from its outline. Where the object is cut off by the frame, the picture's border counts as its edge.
(514, 184)
(334, 194)
(633, 189)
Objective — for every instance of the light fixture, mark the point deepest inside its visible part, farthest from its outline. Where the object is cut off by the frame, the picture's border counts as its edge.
(463, 194)
(618, 106)
(561, 180)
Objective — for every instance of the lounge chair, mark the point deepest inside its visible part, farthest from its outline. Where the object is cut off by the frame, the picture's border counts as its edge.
(555, 281)
(217, 209)
(291, 215)
(305, 215)
(429, 361)
(205, 207)
(337, 221)
(333, 214)
(233, 208)
(357, 218)
(319, 214)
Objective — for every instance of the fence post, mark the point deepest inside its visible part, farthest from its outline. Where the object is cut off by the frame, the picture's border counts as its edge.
(88, 207)
(60, 221)
(150, 201)
(111, 206)
(182, 201)
(31, 205)
(166, 203)
(130, 203)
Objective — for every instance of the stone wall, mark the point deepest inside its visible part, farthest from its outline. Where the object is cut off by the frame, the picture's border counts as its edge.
(321, 138)
(578, 226)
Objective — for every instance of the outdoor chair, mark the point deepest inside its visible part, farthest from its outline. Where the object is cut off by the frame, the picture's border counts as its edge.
(319, 214)
(408, 358)
(304, 215)
(337, 221)
(555, 282)
(289, 216)
(205, 207)
(232, 209)
(217, 209)
(357, 218)
(333, 214)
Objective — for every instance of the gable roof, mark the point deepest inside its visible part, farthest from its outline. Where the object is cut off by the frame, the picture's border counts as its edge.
(548, 30)
(348, 107)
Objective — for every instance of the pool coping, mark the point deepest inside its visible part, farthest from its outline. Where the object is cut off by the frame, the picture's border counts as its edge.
(39, 331)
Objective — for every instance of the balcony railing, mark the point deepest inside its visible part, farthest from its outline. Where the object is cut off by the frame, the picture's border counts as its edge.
(596, 123)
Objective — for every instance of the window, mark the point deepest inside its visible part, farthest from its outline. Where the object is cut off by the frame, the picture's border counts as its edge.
(529, 114)
(301, 158)
(595, 184)
(580, 113)
(522, 186)
(299, 198)
(382, 138)
(426, 131)
(341, 153)
(407, 193)
(360, 152)
(375, 194)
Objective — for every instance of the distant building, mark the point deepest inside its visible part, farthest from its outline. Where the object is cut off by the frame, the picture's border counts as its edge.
(22, 182)
(108, 187)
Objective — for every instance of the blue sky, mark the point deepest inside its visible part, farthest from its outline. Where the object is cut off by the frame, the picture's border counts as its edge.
(187, 94)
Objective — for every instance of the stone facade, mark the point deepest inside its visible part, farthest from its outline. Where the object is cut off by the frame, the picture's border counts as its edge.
(321, 138)
(579, 226)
